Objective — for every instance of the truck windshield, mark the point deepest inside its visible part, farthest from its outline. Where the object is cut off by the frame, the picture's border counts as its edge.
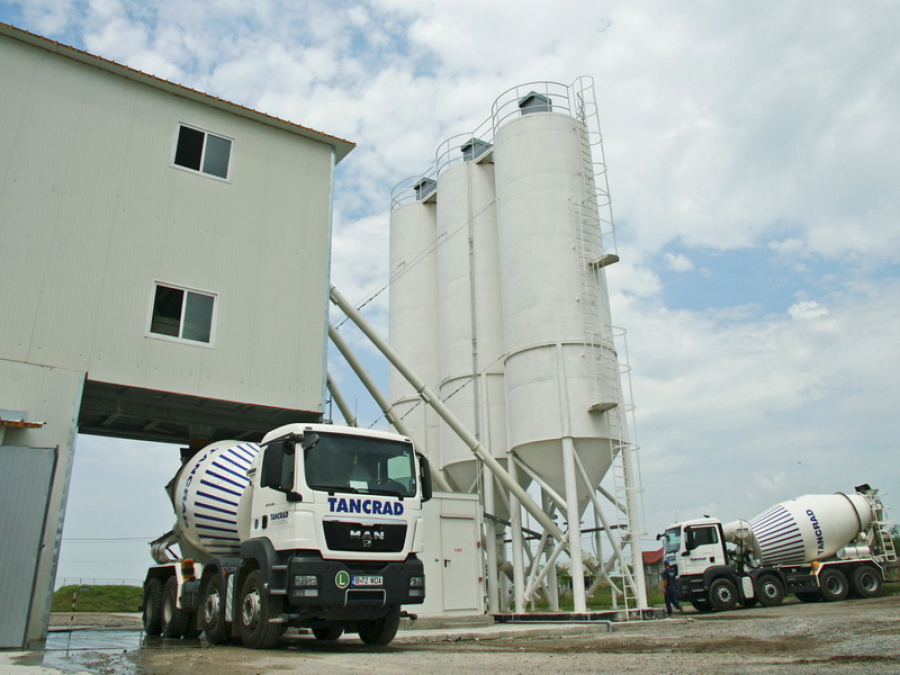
(673, 540)
(356, 464)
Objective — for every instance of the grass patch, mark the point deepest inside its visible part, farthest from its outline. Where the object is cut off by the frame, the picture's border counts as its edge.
(98, 598)
(602, 600)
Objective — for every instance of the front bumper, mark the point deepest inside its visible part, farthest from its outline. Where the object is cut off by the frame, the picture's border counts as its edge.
(314, 584)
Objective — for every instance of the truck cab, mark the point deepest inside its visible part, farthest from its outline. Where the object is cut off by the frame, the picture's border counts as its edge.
(697, 550)
(693, 546)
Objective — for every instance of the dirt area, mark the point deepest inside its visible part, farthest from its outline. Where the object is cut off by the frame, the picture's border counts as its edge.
(858, 636)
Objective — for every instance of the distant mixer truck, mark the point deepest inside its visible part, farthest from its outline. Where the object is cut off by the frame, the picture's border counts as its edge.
(318, 526)
(818, 547)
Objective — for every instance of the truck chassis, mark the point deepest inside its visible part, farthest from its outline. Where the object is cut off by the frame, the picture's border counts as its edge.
(722, 588)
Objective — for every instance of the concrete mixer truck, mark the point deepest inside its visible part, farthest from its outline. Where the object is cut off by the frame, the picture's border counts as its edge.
(318, 526)
(818, 547)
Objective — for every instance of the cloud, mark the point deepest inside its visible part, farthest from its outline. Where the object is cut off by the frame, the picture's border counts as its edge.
(678, 262)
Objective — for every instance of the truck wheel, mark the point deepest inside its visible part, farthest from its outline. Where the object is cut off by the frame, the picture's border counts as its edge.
(769, 590)
(257, 611)
(723, 595)
(866, 582)
(701, 606)
(380, 632)
(212, 610)
(328, 634)
(152, 616)
(174, 620)
(833, 585)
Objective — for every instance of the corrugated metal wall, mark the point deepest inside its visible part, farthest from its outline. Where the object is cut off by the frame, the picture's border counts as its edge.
(26, 479)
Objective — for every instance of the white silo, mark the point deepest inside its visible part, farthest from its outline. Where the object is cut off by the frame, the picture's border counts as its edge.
(525, 334)
(413, 319)
(471, 335)
(561, 368)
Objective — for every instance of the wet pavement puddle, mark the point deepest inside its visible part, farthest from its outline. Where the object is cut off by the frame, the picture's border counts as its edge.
(96, 651)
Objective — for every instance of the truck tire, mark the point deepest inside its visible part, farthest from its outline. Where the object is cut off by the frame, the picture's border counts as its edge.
(702, 606)
(380, 632)
(833, 585)
(769, 590)
(328, 634)
(723, 595)
(866, 581)
(152, 614)
(257, 611)
(212, 611)
(174, 620)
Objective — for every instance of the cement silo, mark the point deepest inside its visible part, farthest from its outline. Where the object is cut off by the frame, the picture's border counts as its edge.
(413, 318)
(561, 368)
(527, 351)
(469, 309)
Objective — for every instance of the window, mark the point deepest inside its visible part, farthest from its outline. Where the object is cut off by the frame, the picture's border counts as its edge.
(701, 536)
(673, 540)
(182, 314)
(204, 152)
(354, 464)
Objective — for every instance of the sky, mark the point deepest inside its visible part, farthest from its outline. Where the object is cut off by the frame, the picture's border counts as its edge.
(752, 154)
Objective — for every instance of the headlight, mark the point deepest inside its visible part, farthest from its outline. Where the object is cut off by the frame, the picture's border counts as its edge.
(417, 582)
(306, 580)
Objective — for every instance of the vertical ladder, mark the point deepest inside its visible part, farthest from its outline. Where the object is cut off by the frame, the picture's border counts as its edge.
(885, 542)
(599, 345)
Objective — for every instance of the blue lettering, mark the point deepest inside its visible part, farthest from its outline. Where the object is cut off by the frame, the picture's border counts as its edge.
(352, 505)
(184, 493)
(817, 530)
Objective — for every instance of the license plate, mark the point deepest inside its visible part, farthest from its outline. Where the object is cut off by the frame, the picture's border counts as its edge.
(367, 581)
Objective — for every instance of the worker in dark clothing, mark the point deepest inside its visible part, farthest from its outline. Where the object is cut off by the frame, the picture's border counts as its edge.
(668, 577)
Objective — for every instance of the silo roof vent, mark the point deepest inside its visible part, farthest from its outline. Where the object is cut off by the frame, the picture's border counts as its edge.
(424, 188)
(535, 103)
(474, 148)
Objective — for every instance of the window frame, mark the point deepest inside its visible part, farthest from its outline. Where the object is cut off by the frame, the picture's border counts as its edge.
(182, 340)
(206, 133)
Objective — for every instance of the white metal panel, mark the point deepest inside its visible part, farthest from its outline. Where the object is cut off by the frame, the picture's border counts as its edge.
(452, 556)
(96, 213)
(413, 321)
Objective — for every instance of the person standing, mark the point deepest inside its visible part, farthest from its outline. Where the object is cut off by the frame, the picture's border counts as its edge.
(669, 588)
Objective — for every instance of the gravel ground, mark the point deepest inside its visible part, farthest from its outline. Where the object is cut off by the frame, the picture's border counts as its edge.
(858, 636)
(853, 637)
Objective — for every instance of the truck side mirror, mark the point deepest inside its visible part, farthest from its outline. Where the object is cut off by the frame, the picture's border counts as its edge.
(425, 477)
(273, 465)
